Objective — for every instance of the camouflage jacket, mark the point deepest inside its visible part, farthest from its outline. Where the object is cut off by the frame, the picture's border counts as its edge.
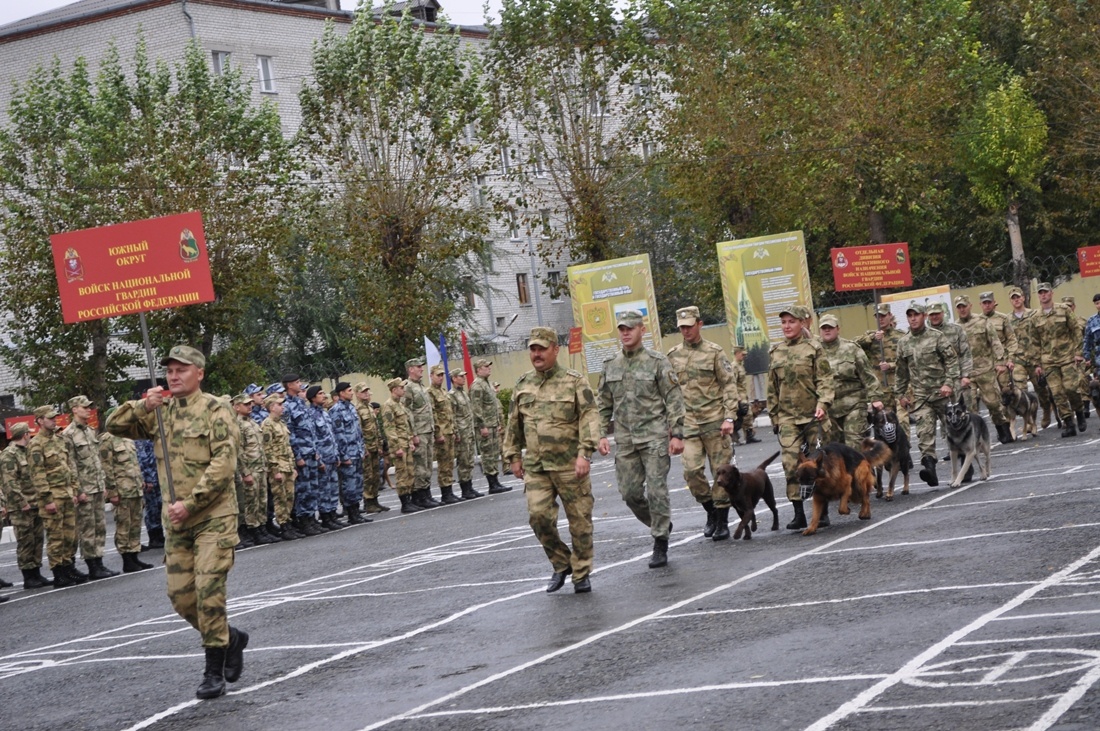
(1056, 335)
(84, 448)
(442, 411)
(853, 380)
(1026, 353)
(52, 471)
(463, 411)
(250, 456)
(1006, 333)
(121, 466)
(881, 351)
(396, 424)
(800, 381)
(708, 385)
(298, 422)
(419, 405)
(259, 413)
(639, 390)
(15, 480)
(202, 452)
(368, 424)
(553, 415)
(280, 457)
(956, 336)
(986, 347)
(147, 458)
(926, 362)
(741, 378)
(325, 439)
(347, 429)
(485, 404)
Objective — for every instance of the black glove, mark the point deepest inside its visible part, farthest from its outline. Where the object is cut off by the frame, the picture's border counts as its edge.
(775, 429)
(742, 409)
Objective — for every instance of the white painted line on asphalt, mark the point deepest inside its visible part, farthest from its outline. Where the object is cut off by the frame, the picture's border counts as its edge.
(1071, 470)
(1035, 638)
(1055, 712)
(957, 539)
(1048, 615)
(1031, 496)
(959, 704)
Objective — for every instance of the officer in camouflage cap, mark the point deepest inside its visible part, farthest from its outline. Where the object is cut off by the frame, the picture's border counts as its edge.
(281, 472)
(1026, 358)
(399, 436)
(465, 436)
(372, 449)
(640, 393)
(709, 387)
(122, 472)
(854, 384)
(443, 416)
(22, 506)
(487, 426)
(251, 477)
(91, 522)
(1082, 365)
(56, 484)
(419, 405)
(1057, 339)
(553, 416)
(881, 347)
(988, 363)
(202, 438)
(956, 335)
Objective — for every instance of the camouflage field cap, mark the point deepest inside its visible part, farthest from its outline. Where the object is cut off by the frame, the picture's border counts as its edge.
(274, 398)
(458, 374)
(482, 362)
(962, 299)
(1015, 292)
(882, 309)
(916, 307)
(985, 297)
(19, 428)
(275, 388)
(829, 321)
(45, 412)
(793, 310)
(395, 383)
(412, 362)
(542, 336)
(738, 348)
(937, 307)
(361, 387)
(438, 369)
(185, 354)
(241, 399)
(629, 318)
(687, 316)
(251, 389)
(1068, 299)
(79, 401)
(1044, 287)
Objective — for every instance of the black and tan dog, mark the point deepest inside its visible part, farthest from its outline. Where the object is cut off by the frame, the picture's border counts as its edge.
(745, 490)
(884, 423)
(838, 472)
(1020, 402)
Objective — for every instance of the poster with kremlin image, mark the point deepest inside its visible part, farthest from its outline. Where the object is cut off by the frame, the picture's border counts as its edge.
(760, 277)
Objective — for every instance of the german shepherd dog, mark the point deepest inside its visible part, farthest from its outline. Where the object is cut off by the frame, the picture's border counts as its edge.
(968, 439)
(838, 472)
(884, 424)
(1020, 402)
(745, 490)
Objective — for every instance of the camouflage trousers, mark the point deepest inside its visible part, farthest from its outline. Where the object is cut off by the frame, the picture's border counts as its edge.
(848, 425)
(792, 437)
(372, 477)
(252, 499)
(128, 516)
(282, 496)
(60, 533)
(542, 490)
(464, 456)
(445, 460)
(306, 489)
(197, 561)
(489, 449)
(403, 472)
(642, 473)
(697, 450)
(1065, 390)
(987, 387)
(91, 525)
(422, 462)
(351, 482)
(30, 536)
(328, 488)
(153, 504)
(927, 414)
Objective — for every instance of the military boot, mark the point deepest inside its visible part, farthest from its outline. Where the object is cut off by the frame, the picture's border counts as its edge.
(304, 525)
(6, 584)
(244, 539)
(407, 504)
(260, 536)
(130, 563)
(750, 437)
(448, 495)
(271, 536)
(1081, 425)
(328, 520)
(317, 524)
(288, 533)
(61, 577)
(1069, 429)
(660, 553)
(76, 574)
(426, 500)
(371, 505)
(799, 521)
(355, 516)
(928, 471)
(33, 579)
(495, 488)
(156, 538)
(96, 569)
(712, 519)
(234, 654)
(213, 678)
(721, 524)
(468, 491)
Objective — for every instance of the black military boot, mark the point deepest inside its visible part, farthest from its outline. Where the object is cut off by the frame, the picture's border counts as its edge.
(1081, 425)
(660, 553)
(1069, 429)
(468, 491)
(495, 488)
(244, 539)
(317, 524)
(407, 504)
(328, 520)
(799, 522)
(96, 569)
(33, 579)
(721, 524)
(130, 563)
(261, 537)
(712, 518)
(6, 584)
(271, 536)
(305, 526)
(61, 577)
(288, 533)
(448, 495)
(356, 516)
(928, 471)
(156, 538)
(1002, 434)
(234, 654)
(426, 499)
(213, 678)
(750, 438)
(76, 574)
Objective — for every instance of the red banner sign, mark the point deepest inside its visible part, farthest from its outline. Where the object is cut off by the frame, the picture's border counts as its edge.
(878, 266)
(576, 344)
(1088, 258)
(132, 267)
(63, 420)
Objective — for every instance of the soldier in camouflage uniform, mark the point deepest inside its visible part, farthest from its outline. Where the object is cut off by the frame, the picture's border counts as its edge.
(1090, 349)
(202, 521)
(306, 458)
(800, 391)
(444, 436)
(1056, 336)
(487, 426)
(419, 405)
(553, 416)
(1082, 365)
(348, 431)
(372, 449)
(328, 459)
(58, 490)
(956, 335)
(745, 420)
(280, 466)
(399, 435)
(91, 522)
(1002, 324)
(123, 479)
(22, 506)
(855, 385)
(251, 476)
(640, 393)
(465, 438)
(709, 388)
(1026, 358)
(990, 359)
(881, 347)
(929, 365)
(147, 458)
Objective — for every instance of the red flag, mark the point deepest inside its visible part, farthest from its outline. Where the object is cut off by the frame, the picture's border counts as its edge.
(467, 364)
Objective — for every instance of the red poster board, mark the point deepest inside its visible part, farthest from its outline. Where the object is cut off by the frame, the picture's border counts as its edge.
(878, 266)
(132, 267)
(63, 420)
(1088, 258)
(576, 344)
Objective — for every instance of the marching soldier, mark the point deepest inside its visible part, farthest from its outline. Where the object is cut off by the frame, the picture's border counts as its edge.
(854, 384)
(348, 430)
(22, 506)
(1057, 338)
(280, 465)
(553, 416)
(464, 435)
(91, 522)
(58, 490)
(123, 479)
(956, 335)
(1002, 324)
(1083, 366)
(372, 449)
(989, 359)
(709, 389)
(1027, 357)
(881, 347)
(328, 481)
(486, 407)
(745, 420)
(444, 435)
(251, 476)
(399, 435)
(419, 405)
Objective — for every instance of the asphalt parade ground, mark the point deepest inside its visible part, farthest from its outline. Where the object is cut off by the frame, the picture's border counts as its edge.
(971, 608)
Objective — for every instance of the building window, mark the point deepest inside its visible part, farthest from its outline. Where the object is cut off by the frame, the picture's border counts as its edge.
(266, 67)
(553, 283)
(500, 321)
(540, 165)
(513, 226)
(523, 294)
(482, 191)
(598, 104)
(544, 216)
(221, 61)
(507, 159)
(468, 286)
(649, 150)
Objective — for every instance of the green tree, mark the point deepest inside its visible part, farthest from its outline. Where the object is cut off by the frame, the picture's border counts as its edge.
(394, 120)
(134, 144)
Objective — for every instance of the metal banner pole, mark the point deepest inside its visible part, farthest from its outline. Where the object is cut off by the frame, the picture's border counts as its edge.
(160, 420)
(882, 342)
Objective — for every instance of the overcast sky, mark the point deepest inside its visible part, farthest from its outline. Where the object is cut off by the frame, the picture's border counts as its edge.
(463, 12)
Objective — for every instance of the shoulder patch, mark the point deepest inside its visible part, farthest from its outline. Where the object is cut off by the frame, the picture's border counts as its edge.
(221, 430)
(575, 374)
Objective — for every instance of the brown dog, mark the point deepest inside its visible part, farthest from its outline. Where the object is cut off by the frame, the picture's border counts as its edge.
(745, 490)
(838, 472)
